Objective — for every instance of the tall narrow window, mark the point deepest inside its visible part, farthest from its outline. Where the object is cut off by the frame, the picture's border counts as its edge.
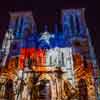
(16, 26)
(77, 25)
(20, 27)
(62, 58)
(65, 27)
(50, 61)
(40, 61)
(72, 24)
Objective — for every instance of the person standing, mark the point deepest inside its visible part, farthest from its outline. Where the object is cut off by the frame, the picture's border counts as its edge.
(9, 93)
(61, 89)
(83, 92)
(53, 87)
(44, 87)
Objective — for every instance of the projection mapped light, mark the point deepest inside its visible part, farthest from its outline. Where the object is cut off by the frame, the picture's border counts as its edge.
(46, 37)
(20, 21)
(20, 74)
(42, 56)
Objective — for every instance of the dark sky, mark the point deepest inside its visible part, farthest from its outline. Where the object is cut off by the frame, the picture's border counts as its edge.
(46, 11)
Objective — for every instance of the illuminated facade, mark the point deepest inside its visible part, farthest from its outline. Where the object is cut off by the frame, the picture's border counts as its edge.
(70, 49)
(76, 30)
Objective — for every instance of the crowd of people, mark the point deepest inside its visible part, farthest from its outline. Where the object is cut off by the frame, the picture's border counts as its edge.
(39, 86)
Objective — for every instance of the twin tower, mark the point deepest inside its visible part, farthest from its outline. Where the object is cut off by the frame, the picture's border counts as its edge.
(72, 21)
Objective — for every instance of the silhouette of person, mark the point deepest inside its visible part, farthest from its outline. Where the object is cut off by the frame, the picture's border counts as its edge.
(83, 95)
(9, 93)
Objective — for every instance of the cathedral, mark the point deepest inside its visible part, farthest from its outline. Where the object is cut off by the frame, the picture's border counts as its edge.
(70, 49)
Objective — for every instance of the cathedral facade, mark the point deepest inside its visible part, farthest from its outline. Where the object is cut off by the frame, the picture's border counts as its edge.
(70, 49)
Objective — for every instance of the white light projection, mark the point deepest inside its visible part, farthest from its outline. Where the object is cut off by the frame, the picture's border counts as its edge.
(46, 37)
(8, 39)
(61, 57)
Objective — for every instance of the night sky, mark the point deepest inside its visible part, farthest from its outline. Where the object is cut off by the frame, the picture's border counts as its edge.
(49, 12)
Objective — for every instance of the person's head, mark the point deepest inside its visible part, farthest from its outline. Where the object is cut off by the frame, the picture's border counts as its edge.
(59, 72)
